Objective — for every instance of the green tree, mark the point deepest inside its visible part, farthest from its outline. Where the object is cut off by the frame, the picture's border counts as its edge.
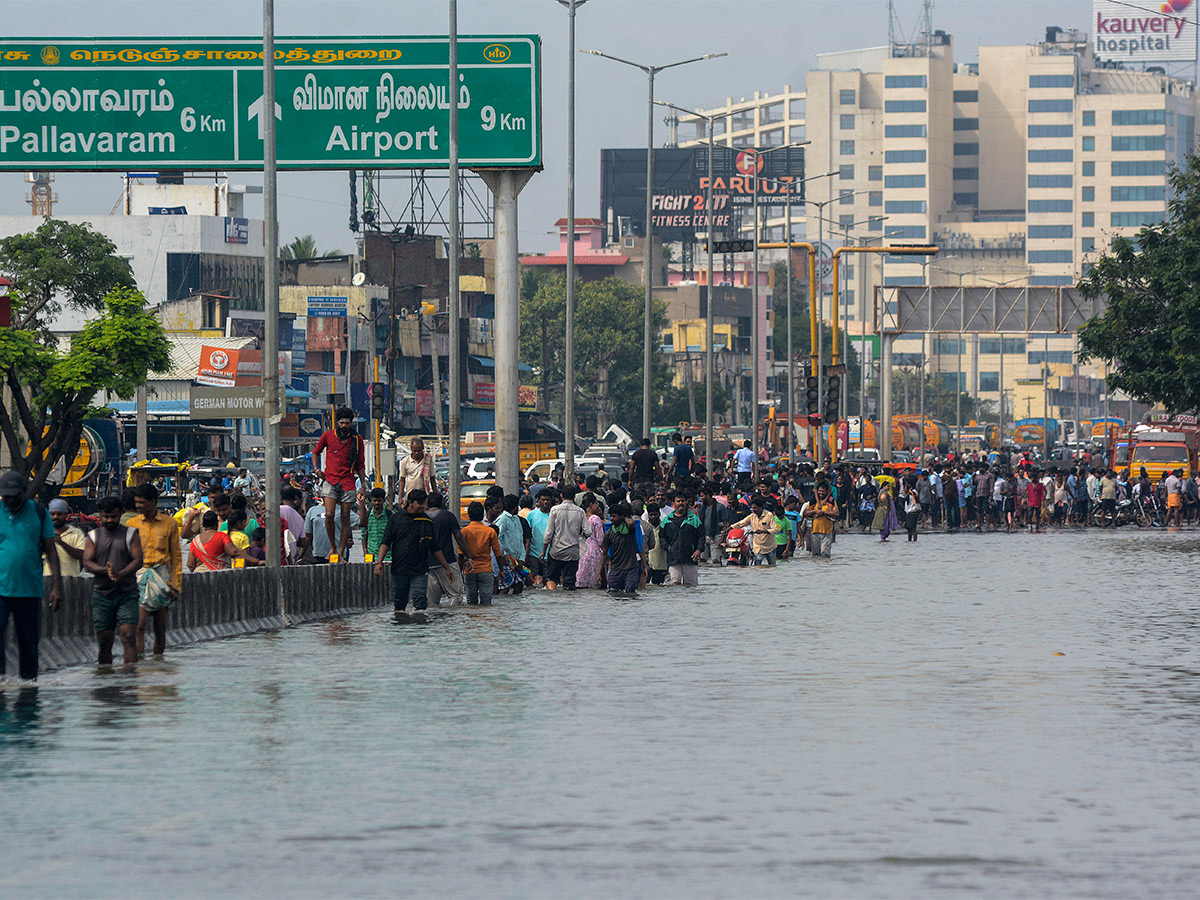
(1148, 332)
(59, 264)
(52, 391)
(608, 343)
(305, 247)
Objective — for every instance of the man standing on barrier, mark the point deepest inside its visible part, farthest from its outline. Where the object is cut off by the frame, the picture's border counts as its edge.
(344, 459)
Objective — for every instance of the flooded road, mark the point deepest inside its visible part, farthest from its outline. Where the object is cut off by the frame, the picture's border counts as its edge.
(896, 722)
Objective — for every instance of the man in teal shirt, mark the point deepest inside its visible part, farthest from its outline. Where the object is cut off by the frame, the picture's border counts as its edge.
(537, 519)
(26, 532)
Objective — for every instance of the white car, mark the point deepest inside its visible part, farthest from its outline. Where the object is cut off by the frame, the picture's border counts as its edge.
(585, 464)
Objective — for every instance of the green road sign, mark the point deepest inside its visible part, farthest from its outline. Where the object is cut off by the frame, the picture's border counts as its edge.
(196, 103)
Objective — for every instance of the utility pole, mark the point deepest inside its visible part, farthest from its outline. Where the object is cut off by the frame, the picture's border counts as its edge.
(453, 304)
(270, 362)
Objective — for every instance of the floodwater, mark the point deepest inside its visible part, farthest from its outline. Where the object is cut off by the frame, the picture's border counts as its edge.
(896, 722)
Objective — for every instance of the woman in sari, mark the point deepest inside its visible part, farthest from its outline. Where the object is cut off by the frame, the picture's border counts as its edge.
(588, 575)
(214, 549)
(885, 513)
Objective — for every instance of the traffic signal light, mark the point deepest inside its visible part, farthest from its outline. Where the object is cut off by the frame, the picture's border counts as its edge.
(813, 392)
(833, 393)
(379, 401)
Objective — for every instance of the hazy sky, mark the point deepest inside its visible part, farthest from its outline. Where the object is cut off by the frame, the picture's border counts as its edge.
(770, 43)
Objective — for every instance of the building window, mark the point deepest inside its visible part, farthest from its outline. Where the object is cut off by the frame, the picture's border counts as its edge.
(846, 173)
(966, 149)
(874, 173)
(796, 109)
(904, 131)
(1043, 156)
(1088, 194)
(846, 198)
(1050, 181)
(1052, 81)
(796, 134)
(1089, 169)
(1138, 143)
(992, 345)
(846, 220)
(1137, 219)
(1139, 117)
(846, 148)
(908, 232)
(966, 96)
(989, 382)
(904, 156)
(904, 81)
(875, 198)
(773, 138)
(875, 224)
(1051, 206)
(1089, 118)
(905, 207)
(966, 173)
(1045, 232)
(1138, 167)
(1051, 356)
(904, 181)
(846, 97)
(1089, 220)
(1051, 280)
(1138, 193)
(1089, 143)
(846, 121)
(904, 106)
(1088, 245)
(966, 124)
(966, 198)
(1050, 131)
(1050, 256)
(1051, 106)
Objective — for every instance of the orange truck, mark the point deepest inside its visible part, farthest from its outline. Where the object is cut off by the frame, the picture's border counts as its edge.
(1163, 444)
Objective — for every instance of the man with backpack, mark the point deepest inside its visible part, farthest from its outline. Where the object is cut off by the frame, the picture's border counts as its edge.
(26, 532)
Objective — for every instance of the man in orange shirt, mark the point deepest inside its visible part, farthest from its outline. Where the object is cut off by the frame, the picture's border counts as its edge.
(482, 544)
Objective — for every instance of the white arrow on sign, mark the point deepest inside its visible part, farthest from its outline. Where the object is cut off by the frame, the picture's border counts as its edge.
(256, 109)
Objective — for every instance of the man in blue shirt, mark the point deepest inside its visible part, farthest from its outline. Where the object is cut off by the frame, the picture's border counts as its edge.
(744, 459)
(537, 519)
(26, 533)
(684, 457)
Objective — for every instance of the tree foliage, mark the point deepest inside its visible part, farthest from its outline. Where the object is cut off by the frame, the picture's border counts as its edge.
(1149, 331)
(609, 321)
(59, 264)
(52, 391)
(305, 247)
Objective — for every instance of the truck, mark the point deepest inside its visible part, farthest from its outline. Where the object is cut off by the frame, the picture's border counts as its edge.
(976, 437)
(1163, 444)
(937, 433)
(906, 434)
(1032, 432)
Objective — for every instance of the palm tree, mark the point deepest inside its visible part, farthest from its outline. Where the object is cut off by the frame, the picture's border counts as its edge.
(305, 247)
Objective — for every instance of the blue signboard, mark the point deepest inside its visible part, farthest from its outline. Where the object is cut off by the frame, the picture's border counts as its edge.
(327, 307)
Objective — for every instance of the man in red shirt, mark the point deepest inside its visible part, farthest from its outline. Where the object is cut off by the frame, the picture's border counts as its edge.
(344, 459)
(1035, 497)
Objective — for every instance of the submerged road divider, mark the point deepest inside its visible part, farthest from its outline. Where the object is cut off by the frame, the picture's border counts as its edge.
(215, 605)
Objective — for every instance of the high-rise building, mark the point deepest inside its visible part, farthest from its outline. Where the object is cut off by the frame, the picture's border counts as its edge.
(1020, 167)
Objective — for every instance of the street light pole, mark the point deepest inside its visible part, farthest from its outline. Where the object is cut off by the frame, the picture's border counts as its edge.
(648, 255)
(569, 337)
(454, 309)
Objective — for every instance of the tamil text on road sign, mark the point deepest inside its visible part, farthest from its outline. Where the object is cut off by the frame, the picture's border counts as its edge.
(197, 103)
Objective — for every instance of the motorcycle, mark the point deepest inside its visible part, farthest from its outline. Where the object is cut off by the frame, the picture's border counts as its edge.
(1148, 511)
(737, 547)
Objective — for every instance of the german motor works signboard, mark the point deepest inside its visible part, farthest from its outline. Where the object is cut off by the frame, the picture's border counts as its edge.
(681, 182)
(1147, 32)
(196, 103)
